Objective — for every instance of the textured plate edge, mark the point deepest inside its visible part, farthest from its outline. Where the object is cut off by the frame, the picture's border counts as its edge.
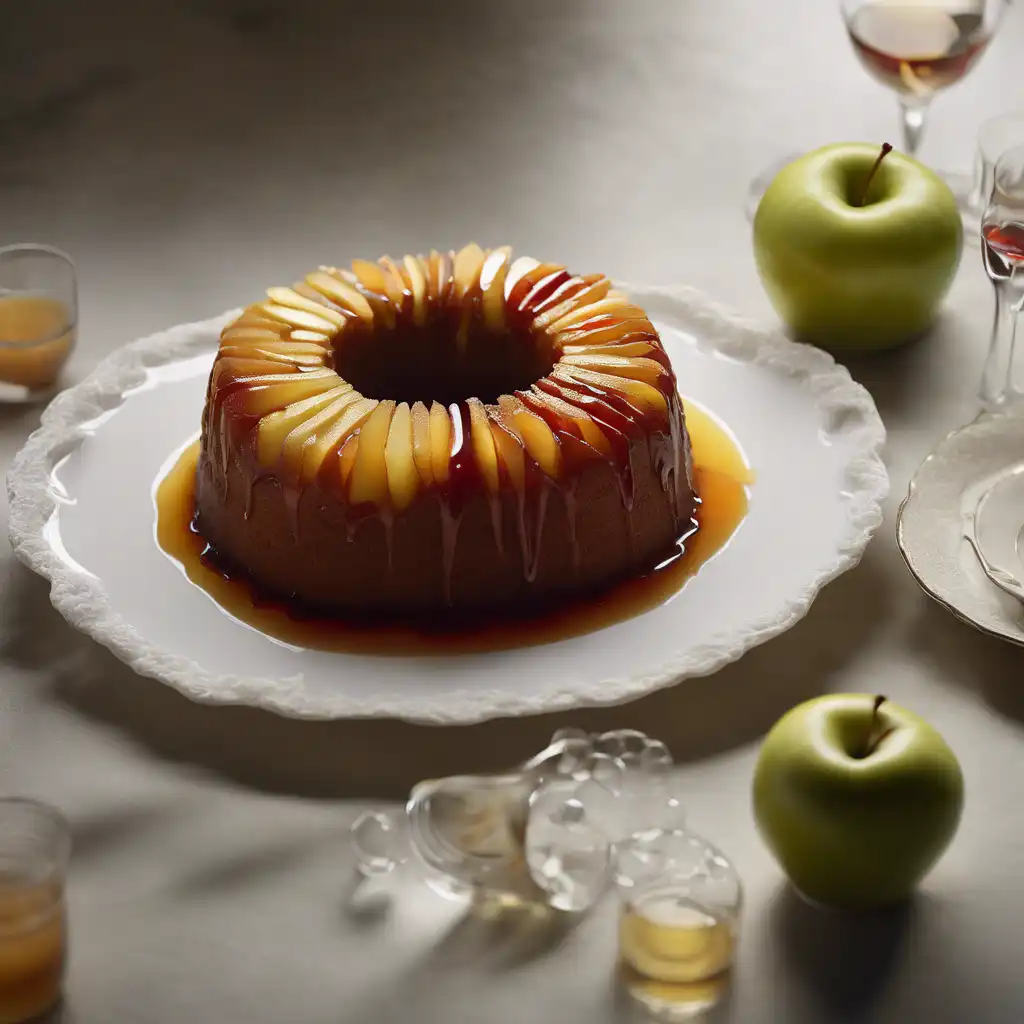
(913, 489)
(80, 599)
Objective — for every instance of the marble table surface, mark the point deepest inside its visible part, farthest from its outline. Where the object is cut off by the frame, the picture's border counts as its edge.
(189, 153)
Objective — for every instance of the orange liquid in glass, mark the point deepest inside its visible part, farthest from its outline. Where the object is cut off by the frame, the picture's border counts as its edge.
(32, 950)
(35, 340)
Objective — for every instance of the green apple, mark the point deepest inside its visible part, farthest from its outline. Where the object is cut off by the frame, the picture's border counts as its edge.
(856, 249)
(857, 798)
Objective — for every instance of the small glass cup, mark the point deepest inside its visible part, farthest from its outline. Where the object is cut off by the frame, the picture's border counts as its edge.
(1002, 248)
(679, 924)
(34, 849)
(38, 319)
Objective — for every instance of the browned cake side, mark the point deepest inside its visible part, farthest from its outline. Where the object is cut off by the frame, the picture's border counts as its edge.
(347, 465)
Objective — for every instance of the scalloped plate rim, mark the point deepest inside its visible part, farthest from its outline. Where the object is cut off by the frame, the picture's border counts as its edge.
(80, 599)
(913, 494)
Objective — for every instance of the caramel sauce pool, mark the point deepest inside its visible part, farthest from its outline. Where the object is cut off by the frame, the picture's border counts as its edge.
(722, 477)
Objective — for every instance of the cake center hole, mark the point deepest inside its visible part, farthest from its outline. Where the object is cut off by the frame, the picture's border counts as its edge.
(430, 363)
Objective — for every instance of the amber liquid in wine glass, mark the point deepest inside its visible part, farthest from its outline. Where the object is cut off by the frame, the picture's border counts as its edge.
(917, 49)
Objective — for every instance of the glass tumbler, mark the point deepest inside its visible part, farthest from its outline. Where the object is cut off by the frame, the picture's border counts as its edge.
(34, 850)
(38, 319)
(679, 923)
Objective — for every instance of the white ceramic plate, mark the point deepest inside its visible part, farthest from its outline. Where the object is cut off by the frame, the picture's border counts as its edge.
(82, 515)
(937, 524)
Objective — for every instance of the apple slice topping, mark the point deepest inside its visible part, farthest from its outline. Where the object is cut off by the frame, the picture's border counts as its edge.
(268, 332)
(440, 441)
(534, 433)
(528, 282)
(292, 353)
(398, 291)
(289, 298)
(440, 278)
(594, 289)
(630, 349)
(330, 284)
(421, 443)
(492, 285)
(383, 311)
(483, 444)
(308, 431)
(402, 473)
(509, 449)
(417, 274)
(354, 414)
(637, 368)
(572, 419)
(609, 372)
(276, 426)
(516, 272)
(369, 480)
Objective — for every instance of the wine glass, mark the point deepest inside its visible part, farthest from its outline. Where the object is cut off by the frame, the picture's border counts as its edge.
(917, 48)
(996, 136)
(1002, 235)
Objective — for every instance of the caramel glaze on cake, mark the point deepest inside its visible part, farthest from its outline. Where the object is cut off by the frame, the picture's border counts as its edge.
(462, 430)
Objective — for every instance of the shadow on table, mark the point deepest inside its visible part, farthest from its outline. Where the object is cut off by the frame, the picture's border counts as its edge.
(844, 959)
(961, 654)
(379, 758)
(911, 385)
(495, 936)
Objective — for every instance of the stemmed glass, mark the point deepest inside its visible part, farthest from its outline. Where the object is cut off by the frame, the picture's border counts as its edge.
(996, 136)
(917, 48)
(1002, 233)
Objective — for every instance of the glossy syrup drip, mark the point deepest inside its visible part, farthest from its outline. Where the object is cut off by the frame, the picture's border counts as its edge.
(721, 477)
(496, 524)
(225, 446)
(620, 428)
(666, 452)
(461, 475)
(449, 536)
(532, 564)
(292, 496)
(388, 519)
(569, 496)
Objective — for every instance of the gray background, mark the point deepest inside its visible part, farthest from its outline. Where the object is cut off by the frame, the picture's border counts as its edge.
(188, 154)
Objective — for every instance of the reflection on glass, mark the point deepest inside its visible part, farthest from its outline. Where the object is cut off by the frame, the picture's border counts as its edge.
(1002, 232)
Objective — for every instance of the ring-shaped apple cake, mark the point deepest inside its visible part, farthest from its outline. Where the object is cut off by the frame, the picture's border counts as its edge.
(462, 430)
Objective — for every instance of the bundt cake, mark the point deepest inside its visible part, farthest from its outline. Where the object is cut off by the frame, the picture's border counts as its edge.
(462, 430)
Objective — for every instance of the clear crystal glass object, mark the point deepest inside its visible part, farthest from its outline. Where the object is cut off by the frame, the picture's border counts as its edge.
(545, 833)
(379, 842)
(681, 903)
(1002, 249)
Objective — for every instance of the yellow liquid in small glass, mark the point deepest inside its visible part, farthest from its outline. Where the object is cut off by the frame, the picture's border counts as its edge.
(675, 955)
(32, 950)
(36, 337)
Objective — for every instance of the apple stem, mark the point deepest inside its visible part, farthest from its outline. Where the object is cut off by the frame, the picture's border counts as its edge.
(886, 150)
(876, 735)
